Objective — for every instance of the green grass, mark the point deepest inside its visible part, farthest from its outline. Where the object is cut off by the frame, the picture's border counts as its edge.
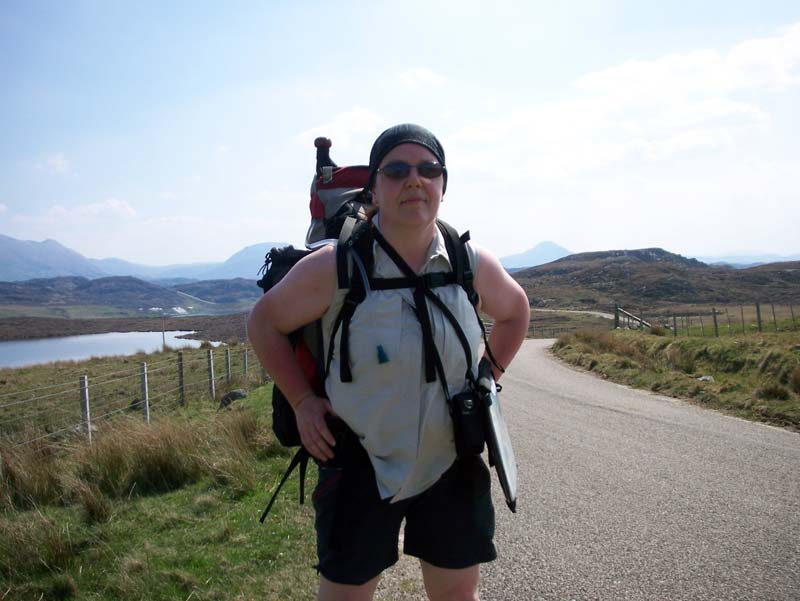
(134, 519)
(752, 376)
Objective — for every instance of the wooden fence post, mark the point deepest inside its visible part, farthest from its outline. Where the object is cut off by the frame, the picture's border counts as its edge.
(791, 310)
(211, 389)
(181, 389)
(774, 320)
(145, 394)
(702, 329)
(714, 315)
(688, 323)
(728, 317)
(244, 362)
(228, 364)
(85, 416)
(741, 310)
(758, 316)
(616, 316)
(674, 326)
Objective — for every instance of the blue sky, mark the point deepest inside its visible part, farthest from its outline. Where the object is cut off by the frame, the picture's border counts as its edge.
(183, 133)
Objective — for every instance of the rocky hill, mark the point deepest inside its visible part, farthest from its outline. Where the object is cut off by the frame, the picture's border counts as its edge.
(131, 295)
(122, 292)
(654, 277)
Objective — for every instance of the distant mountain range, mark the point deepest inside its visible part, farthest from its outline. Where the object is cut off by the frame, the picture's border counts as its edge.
(26, 260)
(22, 260)
(648, 277)
(243, 264)
(740, 261)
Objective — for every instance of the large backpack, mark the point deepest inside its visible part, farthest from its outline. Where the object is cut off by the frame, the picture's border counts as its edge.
(339, 206)
(336, 194)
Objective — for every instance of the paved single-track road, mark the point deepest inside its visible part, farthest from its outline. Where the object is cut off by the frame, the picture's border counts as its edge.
(628, 495)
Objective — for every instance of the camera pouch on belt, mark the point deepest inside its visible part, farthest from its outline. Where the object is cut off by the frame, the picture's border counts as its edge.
(468, 425)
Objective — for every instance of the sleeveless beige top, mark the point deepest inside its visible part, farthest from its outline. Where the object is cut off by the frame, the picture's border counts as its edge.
(402, 421)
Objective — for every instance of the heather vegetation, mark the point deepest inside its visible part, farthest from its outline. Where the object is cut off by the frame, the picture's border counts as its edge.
(162, 511)
(653, 278)
(756, 376)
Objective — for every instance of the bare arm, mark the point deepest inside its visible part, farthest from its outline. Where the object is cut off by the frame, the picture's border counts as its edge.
(299, 298)
(504, 300)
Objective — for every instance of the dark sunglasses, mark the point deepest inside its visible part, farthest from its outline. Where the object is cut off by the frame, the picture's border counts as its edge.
(400, 170)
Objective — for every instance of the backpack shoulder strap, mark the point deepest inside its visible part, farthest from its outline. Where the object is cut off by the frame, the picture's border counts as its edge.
(356, 234)
(355, 241)
(456, 246)
(342, 248)
(459, 258)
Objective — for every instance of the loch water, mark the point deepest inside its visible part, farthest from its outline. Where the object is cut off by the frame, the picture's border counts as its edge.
(19, 353)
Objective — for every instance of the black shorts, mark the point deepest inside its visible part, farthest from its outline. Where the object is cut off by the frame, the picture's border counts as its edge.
(450, 525)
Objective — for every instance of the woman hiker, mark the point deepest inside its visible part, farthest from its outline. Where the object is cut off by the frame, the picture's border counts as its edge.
(397, 458)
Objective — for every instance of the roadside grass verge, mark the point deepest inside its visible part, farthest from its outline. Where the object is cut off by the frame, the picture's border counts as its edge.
(166, 511)
(753, 376)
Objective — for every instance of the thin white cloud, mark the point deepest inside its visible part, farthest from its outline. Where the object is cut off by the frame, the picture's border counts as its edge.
(55, 163)
(772, 62)
(3, 208)
(640, 110)
(422, 77)
(111, 209)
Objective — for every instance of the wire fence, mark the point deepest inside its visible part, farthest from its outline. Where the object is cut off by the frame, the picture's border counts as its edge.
(164, 385)
(716, 321)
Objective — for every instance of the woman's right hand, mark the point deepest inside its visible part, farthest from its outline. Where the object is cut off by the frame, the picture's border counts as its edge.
(314, 432)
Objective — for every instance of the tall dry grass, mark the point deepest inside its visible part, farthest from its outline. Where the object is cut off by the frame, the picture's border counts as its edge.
(130, 457)
(795, 382)
(237, 437)
(28, 545)
(133, 458)
(29, 476)
(136, 458)
(125, 459)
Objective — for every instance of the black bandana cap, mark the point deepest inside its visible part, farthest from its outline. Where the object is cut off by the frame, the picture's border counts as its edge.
(406, 133)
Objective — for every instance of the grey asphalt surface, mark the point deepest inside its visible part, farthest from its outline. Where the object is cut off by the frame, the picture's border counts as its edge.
(625, 494)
